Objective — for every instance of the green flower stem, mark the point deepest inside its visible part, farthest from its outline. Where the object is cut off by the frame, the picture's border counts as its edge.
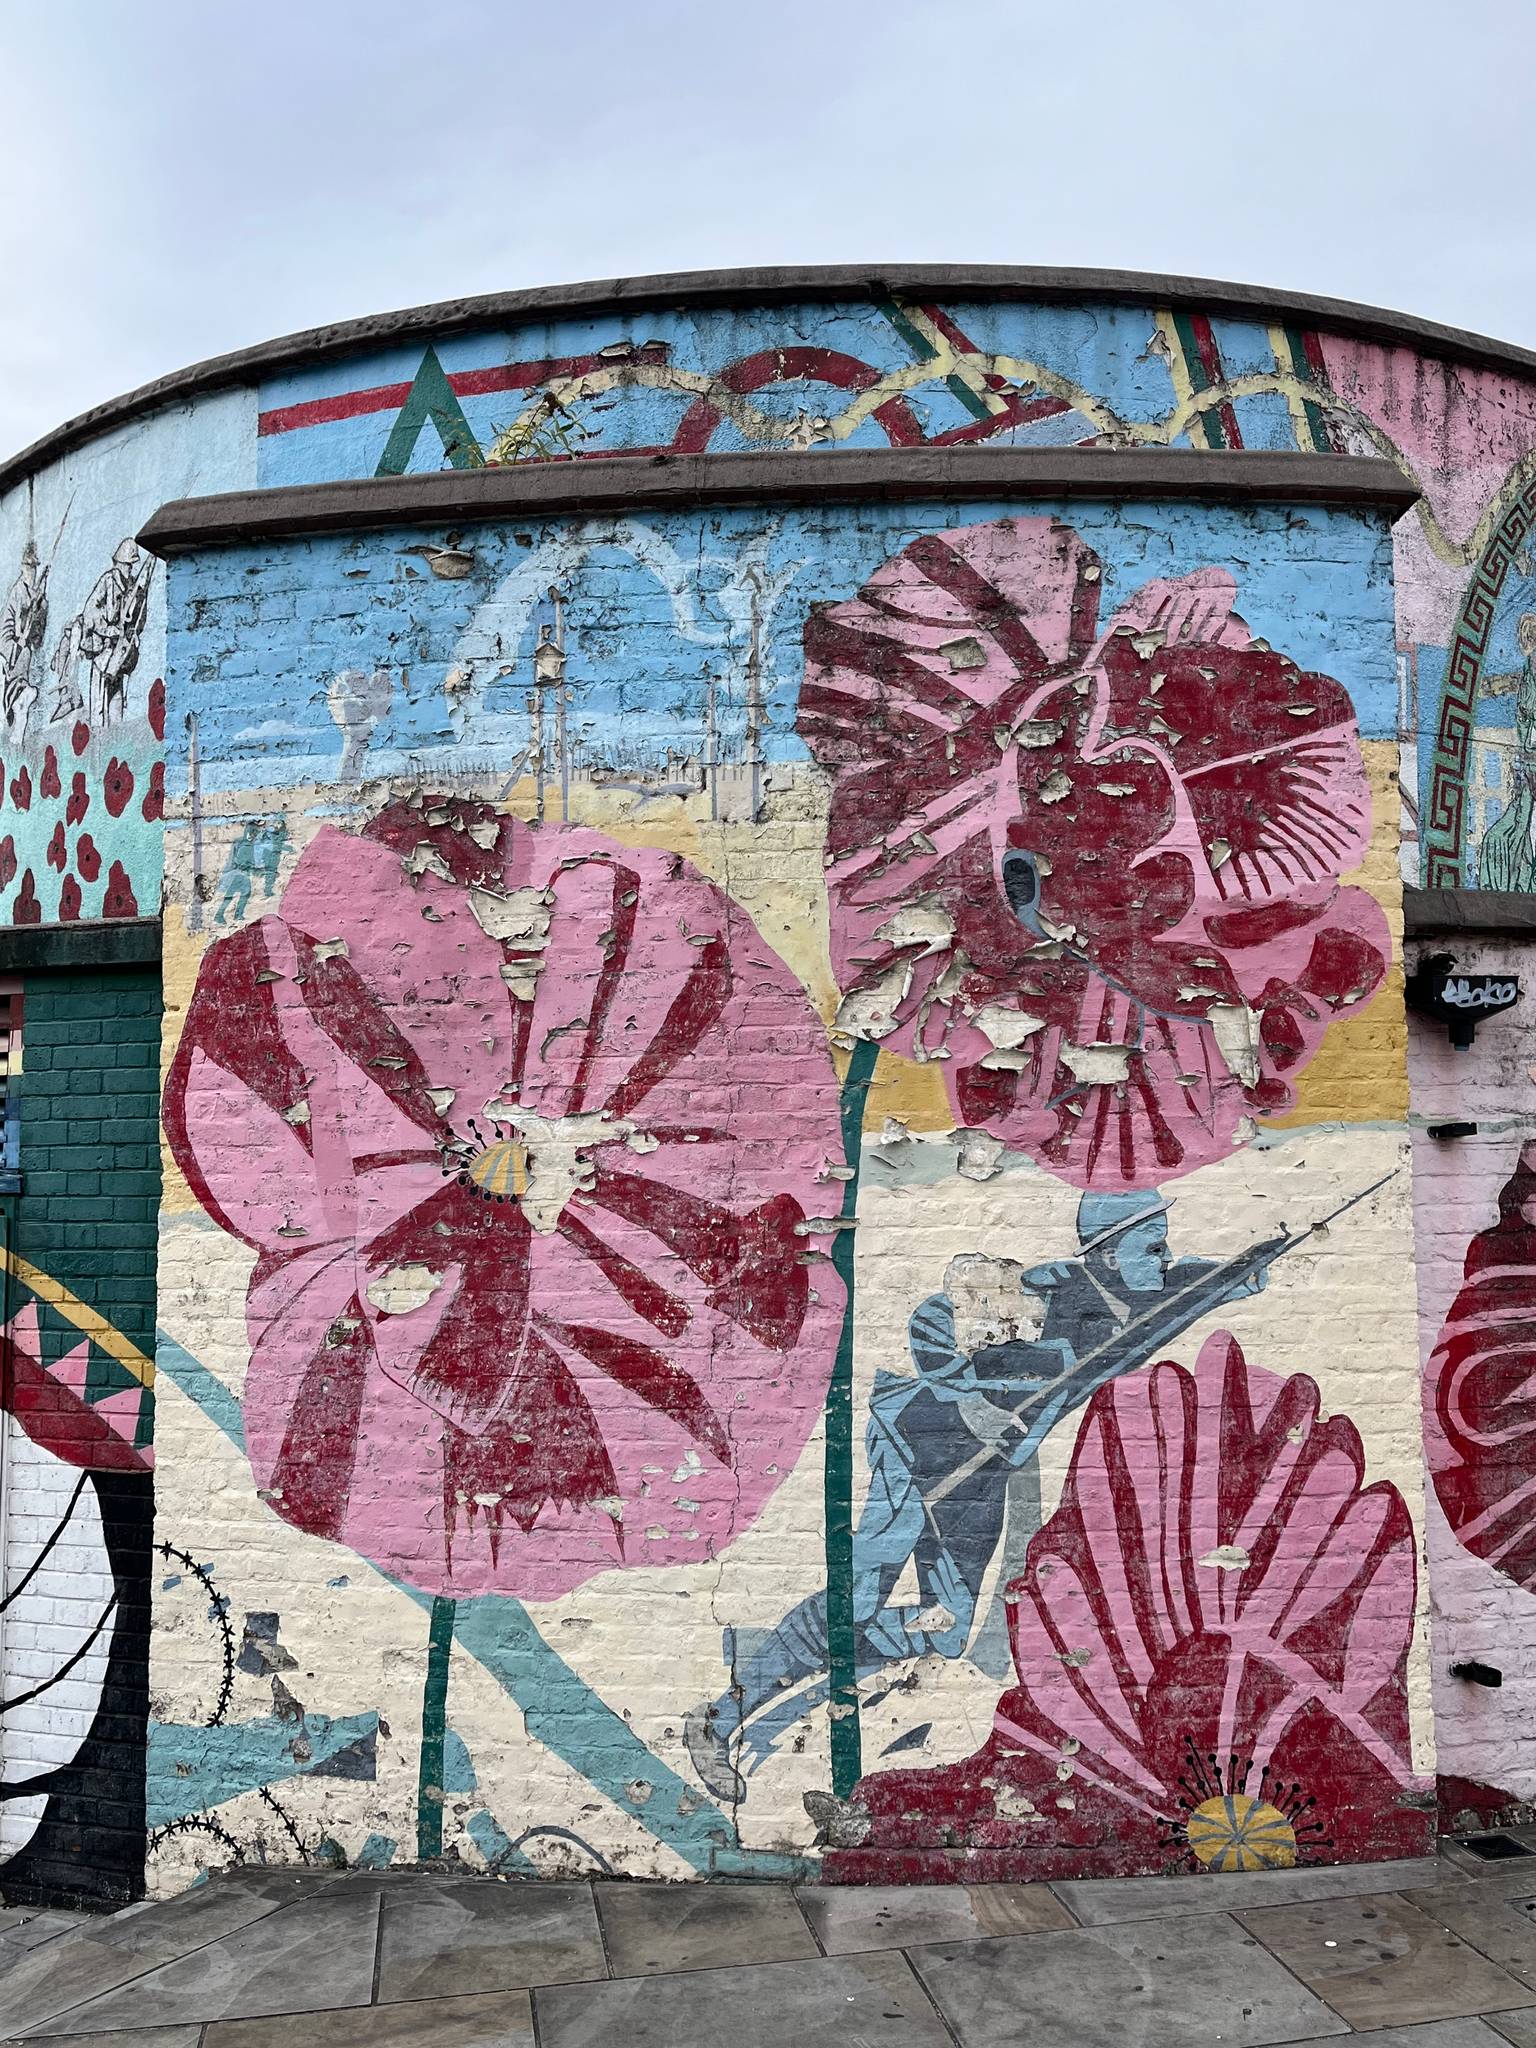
(842, 1672)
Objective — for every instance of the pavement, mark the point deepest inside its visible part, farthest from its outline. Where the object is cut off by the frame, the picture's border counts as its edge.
(1437, 1952)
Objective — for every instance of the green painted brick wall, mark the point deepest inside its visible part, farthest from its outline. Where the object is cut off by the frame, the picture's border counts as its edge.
(90, 1144)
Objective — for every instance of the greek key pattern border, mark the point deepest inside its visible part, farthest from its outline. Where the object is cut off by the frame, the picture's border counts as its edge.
(1445, 813)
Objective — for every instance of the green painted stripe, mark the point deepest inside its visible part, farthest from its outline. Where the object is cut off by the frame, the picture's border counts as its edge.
(842, 1667)
(432, 398)
(925, 352)
(1317, 419)
(920, 346)
(434, 1728)
(968, 398)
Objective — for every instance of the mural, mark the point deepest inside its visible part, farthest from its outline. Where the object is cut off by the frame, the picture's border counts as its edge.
(1120, 950)
(648, 1023)
(522, 1241)
(904, 374)
(717, 1060)
(1479, 1387)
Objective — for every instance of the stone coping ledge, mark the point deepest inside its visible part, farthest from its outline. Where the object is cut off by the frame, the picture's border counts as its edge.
(455, 497)
(117, 942)
(1441, 913)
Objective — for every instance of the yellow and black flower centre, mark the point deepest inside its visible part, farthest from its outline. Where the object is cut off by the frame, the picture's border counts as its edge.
(1235, 1831)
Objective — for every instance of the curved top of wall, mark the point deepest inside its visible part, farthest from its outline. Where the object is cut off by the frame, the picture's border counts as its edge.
(762, 286)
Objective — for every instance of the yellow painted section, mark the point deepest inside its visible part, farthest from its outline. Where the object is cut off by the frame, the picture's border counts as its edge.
(81, 1314)
(1359, 1074)
(912, 1091)
(502, 1169)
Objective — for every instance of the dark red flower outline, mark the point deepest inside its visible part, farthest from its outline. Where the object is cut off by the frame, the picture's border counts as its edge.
(1096, 875)
(375, 1119)
(1211, 1637)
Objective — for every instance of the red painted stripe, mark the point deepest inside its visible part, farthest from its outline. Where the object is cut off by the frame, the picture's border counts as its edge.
(346, 405)
(772, 366)
(1020, 412)
(1020, 409)
(1312, 349)
(899, 424)
(1210, 362)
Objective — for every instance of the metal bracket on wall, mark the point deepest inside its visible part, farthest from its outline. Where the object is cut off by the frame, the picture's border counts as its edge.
(1458, 1001)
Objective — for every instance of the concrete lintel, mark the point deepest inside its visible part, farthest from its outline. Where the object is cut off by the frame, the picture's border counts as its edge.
(118, 942)
(1488, 913)
(455, 497)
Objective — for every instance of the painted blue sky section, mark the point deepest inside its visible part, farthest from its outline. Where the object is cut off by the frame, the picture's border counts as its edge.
(658, 614)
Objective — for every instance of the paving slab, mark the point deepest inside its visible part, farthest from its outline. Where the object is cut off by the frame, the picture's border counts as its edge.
(96, 1954)
(1462, 1858)
(492, 2019)
(1096, 1901)
(31, 1930)
(163, 1929)
(125, 2037)
(1197, 1982)
(850, 1918)
(302, 1958)
(1382, 1963)
(1496, 1920)
(1435, 2034)
(653, 1928)
(1518, 2027)
(839, 2002)
(444, 1937)
(61, 1975)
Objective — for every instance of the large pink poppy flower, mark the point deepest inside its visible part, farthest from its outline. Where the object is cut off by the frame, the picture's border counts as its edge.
(1095, 874)
(1211, 1637)
(525, 1127)
(1481, 1436)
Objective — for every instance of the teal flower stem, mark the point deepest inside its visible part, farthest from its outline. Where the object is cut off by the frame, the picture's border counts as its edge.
(434, 1729)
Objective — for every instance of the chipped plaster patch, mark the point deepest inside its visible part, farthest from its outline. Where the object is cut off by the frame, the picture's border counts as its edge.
(1236, 1031)
(403, 1289)
(1096, 1066)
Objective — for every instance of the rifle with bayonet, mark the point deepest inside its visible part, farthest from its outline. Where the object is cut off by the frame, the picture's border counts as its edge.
(1173, 1313)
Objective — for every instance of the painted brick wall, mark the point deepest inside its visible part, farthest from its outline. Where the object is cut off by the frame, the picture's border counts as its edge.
(74, 1634)
(1474, 1204)
(606, 1185)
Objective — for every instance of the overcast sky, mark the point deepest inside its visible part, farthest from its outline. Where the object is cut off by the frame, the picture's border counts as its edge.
(182, 177)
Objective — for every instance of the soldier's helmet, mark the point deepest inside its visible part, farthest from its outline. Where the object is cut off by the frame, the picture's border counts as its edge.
(1102, 1218)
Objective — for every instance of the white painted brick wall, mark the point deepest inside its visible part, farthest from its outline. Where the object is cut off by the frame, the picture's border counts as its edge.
(46, 1620)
